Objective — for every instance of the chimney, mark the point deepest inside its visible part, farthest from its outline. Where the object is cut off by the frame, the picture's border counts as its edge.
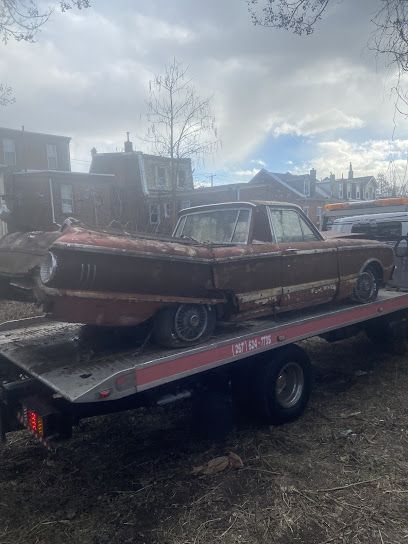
(128, 144)
(350, 172)
(332, 177)
(94, 152)
(313, 174)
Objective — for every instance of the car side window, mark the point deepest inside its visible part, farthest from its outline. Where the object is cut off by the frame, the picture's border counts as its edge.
(241, 228)
(289, 227)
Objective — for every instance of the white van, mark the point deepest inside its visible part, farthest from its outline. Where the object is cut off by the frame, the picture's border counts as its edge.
(388, 227)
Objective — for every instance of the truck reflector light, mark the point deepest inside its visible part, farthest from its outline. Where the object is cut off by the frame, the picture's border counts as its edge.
(105, 393)
(34, 422)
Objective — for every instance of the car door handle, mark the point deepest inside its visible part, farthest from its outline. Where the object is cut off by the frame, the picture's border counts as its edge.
(289, 251)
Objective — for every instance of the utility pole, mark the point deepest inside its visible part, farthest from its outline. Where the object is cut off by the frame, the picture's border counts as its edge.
(212, 176)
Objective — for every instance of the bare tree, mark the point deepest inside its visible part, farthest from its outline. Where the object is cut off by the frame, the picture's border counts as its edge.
(21, 19)
(384, 187)
(180, 122)
(299, 16)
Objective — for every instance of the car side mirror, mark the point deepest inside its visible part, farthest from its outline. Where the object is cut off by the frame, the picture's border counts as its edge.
(401, 248)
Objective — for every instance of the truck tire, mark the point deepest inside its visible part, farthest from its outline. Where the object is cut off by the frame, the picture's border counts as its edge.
(282, 386)
(391, 336)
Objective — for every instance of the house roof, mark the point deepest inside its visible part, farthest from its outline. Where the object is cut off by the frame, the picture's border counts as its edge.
(293, 183)
(362, 179)
(63, 173)
(20, 131)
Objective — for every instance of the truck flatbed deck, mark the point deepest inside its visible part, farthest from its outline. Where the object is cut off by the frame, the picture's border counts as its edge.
(51, 352)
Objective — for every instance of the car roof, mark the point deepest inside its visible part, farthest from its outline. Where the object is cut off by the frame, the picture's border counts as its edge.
(240, 204)
(371, 217)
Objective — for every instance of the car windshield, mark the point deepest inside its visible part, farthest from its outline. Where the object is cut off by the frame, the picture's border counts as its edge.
(223, 226)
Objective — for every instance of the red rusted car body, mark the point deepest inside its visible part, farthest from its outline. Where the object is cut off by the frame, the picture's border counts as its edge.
(240, 260)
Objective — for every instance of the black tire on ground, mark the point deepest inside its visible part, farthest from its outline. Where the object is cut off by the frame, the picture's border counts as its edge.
(367, 285)
(282, 385)
(391, 336)
(184, 325)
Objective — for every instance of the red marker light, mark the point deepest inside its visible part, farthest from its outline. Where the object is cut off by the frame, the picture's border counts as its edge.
(105, 393)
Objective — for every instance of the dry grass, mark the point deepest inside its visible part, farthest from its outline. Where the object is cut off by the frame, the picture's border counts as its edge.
(337, 475)
(17, 310)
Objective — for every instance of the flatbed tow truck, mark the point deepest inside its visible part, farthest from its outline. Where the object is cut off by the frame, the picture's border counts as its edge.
(54, 374)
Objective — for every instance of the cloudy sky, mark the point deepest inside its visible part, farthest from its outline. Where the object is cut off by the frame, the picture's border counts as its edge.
(283, 102)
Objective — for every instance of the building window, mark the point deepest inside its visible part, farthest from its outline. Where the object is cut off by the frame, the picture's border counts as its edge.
(9, 152)
(181, 178)
(161, 178)
(358, 193)
(341, 190)
(154, 213)
(52, 157)
(67, 198)
(348, 190)
(306, 187)
(306, 210)
(167, 210)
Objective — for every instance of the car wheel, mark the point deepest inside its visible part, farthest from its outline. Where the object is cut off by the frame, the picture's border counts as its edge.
(282, 386)
(184, 325)
(367, 286)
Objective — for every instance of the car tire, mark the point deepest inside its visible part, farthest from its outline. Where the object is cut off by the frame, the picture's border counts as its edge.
(282, 386)
(184, 325)
(367, 286)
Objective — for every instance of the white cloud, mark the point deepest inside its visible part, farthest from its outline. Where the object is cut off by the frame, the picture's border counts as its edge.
(259, 162)
(246, 173)
(88, 76)
(318, 123)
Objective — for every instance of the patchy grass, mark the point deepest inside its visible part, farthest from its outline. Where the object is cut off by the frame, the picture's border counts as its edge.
(17, 310)
(337, 475)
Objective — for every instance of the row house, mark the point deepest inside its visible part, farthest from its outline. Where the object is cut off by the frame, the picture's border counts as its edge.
(38, 188)
(148, 189)
(351, 188)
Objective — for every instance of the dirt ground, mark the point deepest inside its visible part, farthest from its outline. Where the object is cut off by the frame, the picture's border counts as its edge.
(337, 475)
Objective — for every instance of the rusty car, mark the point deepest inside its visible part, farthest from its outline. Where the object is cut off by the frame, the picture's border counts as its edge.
(229, 261)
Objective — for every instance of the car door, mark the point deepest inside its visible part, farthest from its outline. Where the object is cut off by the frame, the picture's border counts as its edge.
(252, 271)
(309, 263)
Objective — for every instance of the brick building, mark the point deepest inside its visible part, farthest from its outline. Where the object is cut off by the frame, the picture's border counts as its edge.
(143, 194)
(42, 198)
(38, 187)
(22, 150)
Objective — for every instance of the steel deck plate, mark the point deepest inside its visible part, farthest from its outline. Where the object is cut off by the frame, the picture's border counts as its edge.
(52, 353)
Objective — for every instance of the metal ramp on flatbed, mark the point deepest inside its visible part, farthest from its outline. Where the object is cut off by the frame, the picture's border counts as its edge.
(53, 354)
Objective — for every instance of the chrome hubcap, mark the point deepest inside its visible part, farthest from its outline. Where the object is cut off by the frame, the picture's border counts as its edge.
(190, 322)
(365, 286)
(289, 385)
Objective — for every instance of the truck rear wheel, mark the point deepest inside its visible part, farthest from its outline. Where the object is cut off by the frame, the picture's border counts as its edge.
(184, 325)
(282, 385)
